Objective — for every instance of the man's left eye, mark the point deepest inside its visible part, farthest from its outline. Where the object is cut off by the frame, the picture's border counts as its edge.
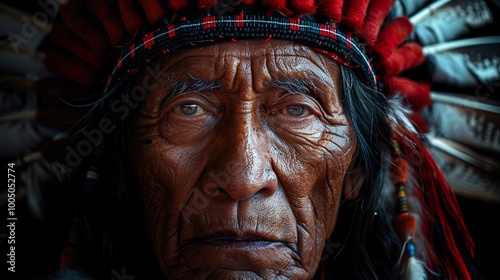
(190, 109)
(295, 111)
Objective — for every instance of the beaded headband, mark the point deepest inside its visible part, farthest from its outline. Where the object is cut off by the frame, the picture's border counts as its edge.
(341, 47)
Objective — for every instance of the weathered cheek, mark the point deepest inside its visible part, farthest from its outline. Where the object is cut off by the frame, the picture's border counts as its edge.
(315, 170)
(145, 161)
(150, 179)
(150, 166)
(155, 164)
(315, 157)
(166, 178)
(338, 148)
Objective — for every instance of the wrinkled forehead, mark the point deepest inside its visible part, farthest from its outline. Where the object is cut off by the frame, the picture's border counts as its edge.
(259, 59)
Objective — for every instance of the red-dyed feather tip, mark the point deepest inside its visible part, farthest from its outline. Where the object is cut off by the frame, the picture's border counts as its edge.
(132, 16)
(303, 7)
(274, 4)
(392, 36)
(419, 123)
(177, 5)
(110, 20)
(354, 12)
(332, 9)
(408, 56)
(376, 13)
(416, 94)
(206, 4)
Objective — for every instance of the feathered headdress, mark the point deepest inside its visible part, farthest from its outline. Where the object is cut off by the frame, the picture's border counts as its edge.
(78, 51)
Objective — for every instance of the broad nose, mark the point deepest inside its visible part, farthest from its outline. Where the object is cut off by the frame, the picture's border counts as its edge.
(241, 166)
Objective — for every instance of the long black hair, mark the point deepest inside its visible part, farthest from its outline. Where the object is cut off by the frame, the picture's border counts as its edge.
(367, 244)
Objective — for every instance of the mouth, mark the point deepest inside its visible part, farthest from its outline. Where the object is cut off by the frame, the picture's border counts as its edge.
(232, 240)
(232, 251)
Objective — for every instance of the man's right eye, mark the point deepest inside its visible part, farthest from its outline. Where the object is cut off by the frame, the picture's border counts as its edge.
(296, 111)
(189, 109)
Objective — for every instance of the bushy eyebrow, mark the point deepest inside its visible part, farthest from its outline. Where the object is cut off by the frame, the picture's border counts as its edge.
(291, 85)
(191, 84)
(299, 86)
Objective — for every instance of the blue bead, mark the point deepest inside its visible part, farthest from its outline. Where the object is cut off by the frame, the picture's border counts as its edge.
(410, 250)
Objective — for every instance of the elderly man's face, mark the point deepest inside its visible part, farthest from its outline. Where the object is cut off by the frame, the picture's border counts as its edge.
(241, 153)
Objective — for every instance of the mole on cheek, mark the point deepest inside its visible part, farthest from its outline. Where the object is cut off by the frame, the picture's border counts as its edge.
(147, 142)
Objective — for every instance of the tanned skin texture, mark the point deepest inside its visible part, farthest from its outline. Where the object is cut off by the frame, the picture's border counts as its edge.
(243, 153)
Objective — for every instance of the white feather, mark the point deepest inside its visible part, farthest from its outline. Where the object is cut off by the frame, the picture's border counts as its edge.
(414, 270)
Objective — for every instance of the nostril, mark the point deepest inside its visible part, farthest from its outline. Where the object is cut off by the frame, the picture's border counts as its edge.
(214, 191)
(240, 180)
(265, 191)
(236, 191)
(217, 191)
